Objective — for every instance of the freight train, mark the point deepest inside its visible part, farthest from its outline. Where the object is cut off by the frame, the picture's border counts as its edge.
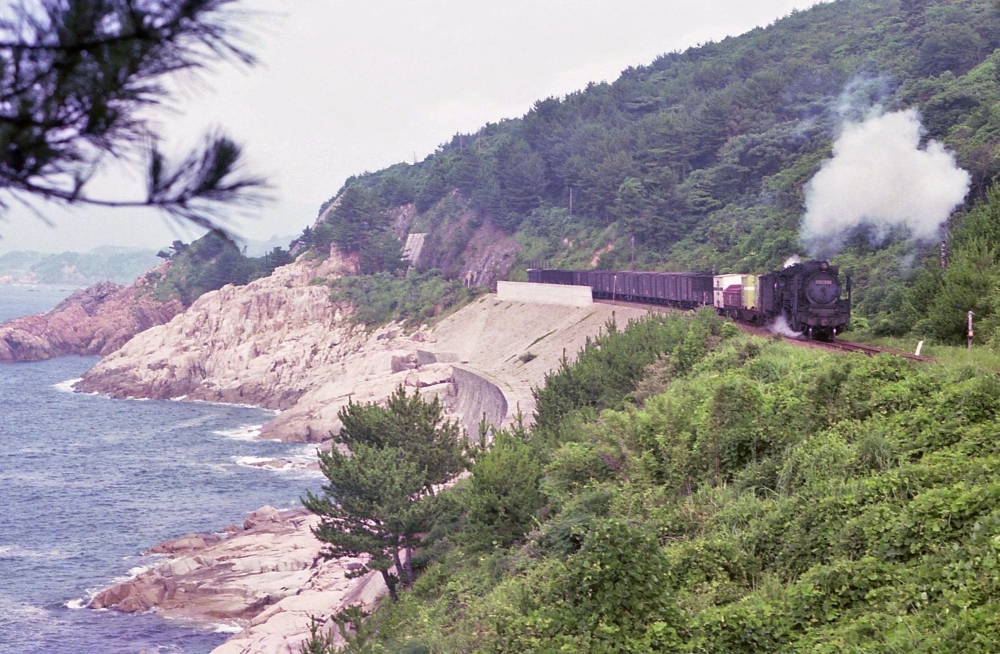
(806, 296)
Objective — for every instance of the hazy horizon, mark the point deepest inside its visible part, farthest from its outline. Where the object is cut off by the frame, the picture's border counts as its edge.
(352, 88)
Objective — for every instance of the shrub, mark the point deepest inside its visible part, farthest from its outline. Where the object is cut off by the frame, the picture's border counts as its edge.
(381, 298)
(503, 494)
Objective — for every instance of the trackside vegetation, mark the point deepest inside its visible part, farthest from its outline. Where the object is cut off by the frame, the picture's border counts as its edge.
(719, 492)
(409, 299)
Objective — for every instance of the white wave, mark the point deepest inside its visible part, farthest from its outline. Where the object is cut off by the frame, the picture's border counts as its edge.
(21, 610)
(184, 398)
(18, 552)
(67, 386)
(299, 464)
(241, 433)
(214, 467)
(307, 453)
(138, 570)
(76, 604)
(224, 628)
(269, 462)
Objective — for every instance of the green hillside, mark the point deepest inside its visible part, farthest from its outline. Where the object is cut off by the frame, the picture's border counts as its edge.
(701, 156)
(689, 488)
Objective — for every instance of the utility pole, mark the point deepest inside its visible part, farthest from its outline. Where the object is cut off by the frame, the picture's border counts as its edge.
(570, 201)
(969, 333)
(633, 251)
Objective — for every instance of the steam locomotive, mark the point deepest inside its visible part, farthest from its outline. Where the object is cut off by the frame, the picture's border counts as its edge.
(806, 296)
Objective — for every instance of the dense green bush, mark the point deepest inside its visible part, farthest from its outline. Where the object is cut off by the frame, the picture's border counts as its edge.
(503, 495)
(413, 299)
(768, 498)
(609, 597)
(210, 263)
(609, 366)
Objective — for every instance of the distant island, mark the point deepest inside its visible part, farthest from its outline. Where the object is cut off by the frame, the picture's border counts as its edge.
(106, 263)
(101, 264)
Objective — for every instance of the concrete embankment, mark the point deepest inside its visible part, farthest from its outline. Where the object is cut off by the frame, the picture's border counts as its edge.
(478, 400)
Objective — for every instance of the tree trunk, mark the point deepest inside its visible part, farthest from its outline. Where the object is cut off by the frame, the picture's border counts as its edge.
(408, 565)
(401, 569)
(390, 582)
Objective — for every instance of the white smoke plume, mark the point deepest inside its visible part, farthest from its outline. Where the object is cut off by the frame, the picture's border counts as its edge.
(881, 176)
(791, 261)
(781, 326)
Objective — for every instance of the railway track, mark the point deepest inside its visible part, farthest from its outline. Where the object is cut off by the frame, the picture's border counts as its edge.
(870, 350)
(838, 345)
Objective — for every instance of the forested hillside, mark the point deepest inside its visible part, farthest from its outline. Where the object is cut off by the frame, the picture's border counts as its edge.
(702, 156)
(689, 488)
(208, 264)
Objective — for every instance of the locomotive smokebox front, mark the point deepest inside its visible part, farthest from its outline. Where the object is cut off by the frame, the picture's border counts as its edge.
(823, 288)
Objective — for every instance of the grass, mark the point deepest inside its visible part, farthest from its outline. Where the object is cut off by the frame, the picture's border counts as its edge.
(979, 356)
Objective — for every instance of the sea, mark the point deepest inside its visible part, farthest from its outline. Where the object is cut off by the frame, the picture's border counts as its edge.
(88, 483)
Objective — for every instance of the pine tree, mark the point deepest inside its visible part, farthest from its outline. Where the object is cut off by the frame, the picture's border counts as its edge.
(379, 496)
(371, 506)
(76, 79)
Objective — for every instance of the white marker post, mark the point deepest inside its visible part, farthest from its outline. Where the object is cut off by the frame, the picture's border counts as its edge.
(969, 333)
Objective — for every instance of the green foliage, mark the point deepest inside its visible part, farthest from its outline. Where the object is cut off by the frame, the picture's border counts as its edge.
(358, 223)
(210, 263)
(609, 597)
(370, 506)
(411, 300)
(767, 498)
(503, 494)
(352, 624)
(609, 366)
(377, 497)
(413, 424)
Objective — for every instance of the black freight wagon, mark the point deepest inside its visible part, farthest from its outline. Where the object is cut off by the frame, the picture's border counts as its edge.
(684, 290)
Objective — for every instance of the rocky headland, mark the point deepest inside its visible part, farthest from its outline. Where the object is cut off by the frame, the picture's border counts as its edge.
(97, 320)
(281, 343)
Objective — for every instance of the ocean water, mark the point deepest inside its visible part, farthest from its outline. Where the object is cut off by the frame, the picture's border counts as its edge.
(87, 483)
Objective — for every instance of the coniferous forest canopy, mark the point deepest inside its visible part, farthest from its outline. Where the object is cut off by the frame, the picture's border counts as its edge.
(703, 155)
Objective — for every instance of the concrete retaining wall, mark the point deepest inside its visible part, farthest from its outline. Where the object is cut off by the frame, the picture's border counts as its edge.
(477, 395)
(571, 296)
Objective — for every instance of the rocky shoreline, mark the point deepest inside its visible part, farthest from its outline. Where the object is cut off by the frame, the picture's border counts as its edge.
(266, 577)
(96, 320)
(281, 343)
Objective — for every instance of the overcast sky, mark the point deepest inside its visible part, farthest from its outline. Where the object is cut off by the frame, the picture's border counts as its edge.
(345, 87)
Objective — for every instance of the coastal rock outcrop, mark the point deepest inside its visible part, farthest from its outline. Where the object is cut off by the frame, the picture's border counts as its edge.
(281, 343)
(268, 578)
(96, 320)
